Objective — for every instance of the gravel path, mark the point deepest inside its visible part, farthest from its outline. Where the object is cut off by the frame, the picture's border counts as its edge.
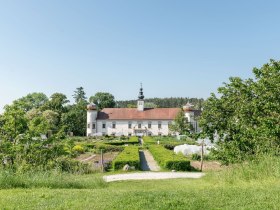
(152, 175)
(89, 158)
(147, 161)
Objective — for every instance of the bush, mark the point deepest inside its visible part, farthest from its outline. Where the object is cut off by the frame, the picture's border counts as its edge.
(131, 140)
(107, 148)
(130, 156)
(168, 159)
(65, 164)
(79, 149)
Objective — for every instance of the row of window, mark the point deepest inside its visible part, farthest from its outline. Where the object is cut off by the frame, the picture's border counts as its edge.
(139, 125)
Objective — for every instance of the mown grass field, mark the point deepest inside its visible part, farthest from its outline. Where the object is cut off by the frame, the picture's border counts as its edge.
(164, 194)
(254, 185)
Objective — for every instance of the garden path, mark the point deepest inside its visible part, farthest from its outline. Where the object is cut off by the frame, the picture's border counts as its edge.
(147, 161)
(152, 175)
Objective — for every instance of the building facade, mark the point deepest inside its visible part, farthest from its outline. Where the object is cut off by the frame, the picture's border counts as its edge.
(138, 121)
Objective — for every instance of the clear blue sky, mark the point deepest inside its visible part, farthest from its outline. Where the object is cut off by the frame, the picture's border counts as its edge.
(176, 48)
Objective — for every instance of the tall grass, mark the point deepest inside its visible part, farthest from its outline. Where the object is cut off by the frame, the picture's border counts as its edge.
(51, 179)
(261, 169)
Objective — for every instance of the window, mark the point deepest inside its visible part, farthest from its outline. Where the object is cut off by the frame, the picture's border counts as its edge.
(139, 125)
(93, 125)
(149, 124)
(114, 125)
(159, 125)
(129, 125)
(88, 125)
(103, 125)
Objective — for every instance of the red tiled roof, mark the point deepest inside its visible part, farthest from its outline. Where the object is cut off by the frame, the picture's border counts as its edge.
(134, 114)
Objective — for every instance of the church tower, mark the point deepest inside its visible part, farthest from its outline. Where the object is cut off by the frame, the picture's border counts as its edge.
(140, 102)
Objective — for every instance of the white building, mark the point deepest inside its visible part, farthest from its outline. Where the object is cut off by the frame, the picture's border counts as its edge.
(136, 121)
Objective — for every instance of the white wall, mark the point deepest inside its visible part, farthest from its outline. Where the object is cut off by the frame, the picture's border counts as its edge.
(122, 127)
(91, 118)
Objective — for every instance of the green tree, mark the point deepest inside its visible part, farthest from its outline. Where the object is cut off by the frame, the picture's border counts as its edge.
(103, 100)
(74, 120)
(181, 124)
(56, 103)
(244, 119)
(79, 95)
(31, 101)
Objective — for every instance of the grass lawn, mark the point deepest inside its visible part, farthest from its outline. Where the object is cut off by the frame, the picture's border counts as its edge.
(158, 194)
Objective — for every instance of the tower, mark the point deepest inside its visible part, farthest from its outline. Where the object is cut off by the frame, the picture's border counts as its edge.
(189, 114)
(140, 102)
(91, 119)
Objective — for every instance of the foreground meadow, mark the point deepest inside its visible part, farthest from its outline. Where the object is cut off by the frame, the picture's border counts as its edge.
(164, 194)
(251, 186)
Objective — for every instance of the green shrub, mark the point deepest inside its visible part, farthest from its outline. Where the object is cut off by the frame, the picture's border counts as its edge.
(131, 140)
(78, 148)
(172, 145)
(130, 156)
(168, 159)
(107, 148)
(65, 164)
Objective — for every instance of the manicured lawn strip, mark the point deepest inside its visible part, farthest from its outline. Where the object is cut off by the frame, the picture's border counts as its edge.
(154, 194)
(149, 140)
(168, 159)
(130, 156)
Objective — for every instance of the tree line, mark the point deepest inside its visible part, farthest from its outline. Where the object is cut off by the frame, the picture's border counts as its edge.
(172, 102)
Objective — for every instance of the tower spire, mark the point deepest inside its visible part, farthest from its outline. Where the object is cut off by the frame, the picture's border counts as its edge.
(141, 96)
(140, 102)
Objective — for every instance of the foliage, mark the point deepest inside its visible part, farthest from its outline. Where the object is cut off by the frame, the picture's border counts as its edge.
(107, 148)
(132, 140)
(56, 103)
(74, 120)
(181, 124)
(168, 159)
(78, 148)
(245, 117)
(27, 153)
(103, 100)
(79, 95)
(130, 156)
(164, 102)
(66, 164)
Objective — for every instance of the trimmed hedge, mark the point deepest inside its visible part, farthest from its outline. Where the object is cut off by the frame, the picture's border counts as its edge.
(168, 159)
(107, 147)
(130, 156)
(132, 140)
